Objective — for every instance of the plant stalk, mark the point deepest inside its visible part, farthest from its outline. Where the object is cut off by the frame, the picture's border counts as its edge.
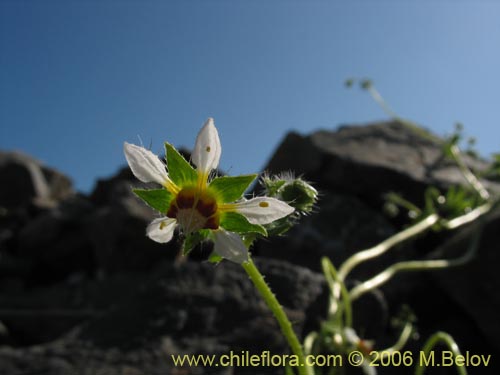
(447, 340)
(278, 312)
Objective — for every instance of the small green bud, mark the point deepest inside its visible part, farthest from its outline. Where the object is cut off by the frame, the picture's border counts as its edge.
(299, 194)
(272, 185)
(296, 192)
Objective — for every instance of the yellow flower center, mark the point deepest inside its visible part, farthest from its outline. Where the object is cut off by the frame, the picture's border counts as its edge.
(194, 209)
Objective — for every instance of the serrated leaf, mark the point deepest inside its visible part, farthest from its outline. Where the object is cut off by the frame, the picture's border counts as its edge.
(235, 222)
(231, 188)
(158, 199)
(179, 170)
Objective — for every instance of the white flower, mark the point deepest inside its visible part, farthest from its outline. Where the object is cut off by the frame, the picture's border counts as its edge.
(198, 205)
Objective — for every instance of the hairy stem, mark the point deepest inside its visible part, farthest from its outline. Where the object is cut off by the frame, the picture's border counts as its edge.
(279, 314)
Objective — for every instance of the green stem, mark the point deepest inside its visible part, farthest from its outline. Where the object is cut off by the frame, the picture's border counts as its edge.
(382, 247)
(468, 217)
(279, 314)
(469, 176)
(415, 265)
(402, 340)
(332, 281)
(432, 342)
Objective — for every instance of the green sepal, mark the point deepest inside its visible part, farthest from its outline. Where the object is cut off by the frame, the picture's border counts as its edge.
(273, 186)
(179, 170)
(215, 258)
(248, 239)
(301, 195)
(194, 239)
(231, 188)
(158, 199)
(237, 223)
(280, 226)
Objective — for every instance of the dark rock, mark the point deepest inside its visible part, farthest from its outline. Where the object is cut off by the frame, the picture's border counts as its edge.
(117, 233)
(43, 313)
(27, 180)
(191, 308)
(111, 189)
(473, 288)
(75, 236)
(54, 244)
(199, 299)
(462, 301)
(370, 161)
(342, 225)
(84, 291)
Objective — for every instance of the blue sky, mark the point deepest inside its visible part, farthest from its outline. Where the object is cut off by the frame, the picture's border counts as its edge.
(78, 78)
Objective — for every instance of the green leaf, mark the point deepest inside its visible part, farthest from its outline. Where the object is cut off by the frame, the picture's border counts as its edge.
(179, 170)
(159, 199)
(235, 222)
(229, 189)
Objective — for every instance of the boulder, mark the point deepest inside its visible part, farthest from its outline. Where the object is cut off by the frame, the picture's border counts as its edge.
(26, 180)
(372, 160)
(341, 225)
(188, 308)
(54, 244)
(84, 291)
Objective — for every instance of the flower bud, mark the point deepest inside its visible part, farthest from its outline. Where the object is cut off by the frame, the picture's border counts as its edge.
(298, 193)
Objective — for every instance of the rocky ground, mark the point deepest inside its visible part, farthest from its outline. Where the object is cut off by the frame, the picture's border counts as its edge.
(83, 291)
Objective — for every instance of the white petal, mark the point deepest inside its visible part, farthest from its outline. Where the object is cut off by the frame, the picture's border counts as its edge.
(229, 245)
(263, 210)
(144, 164)
(161, 230)
(207, 149)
